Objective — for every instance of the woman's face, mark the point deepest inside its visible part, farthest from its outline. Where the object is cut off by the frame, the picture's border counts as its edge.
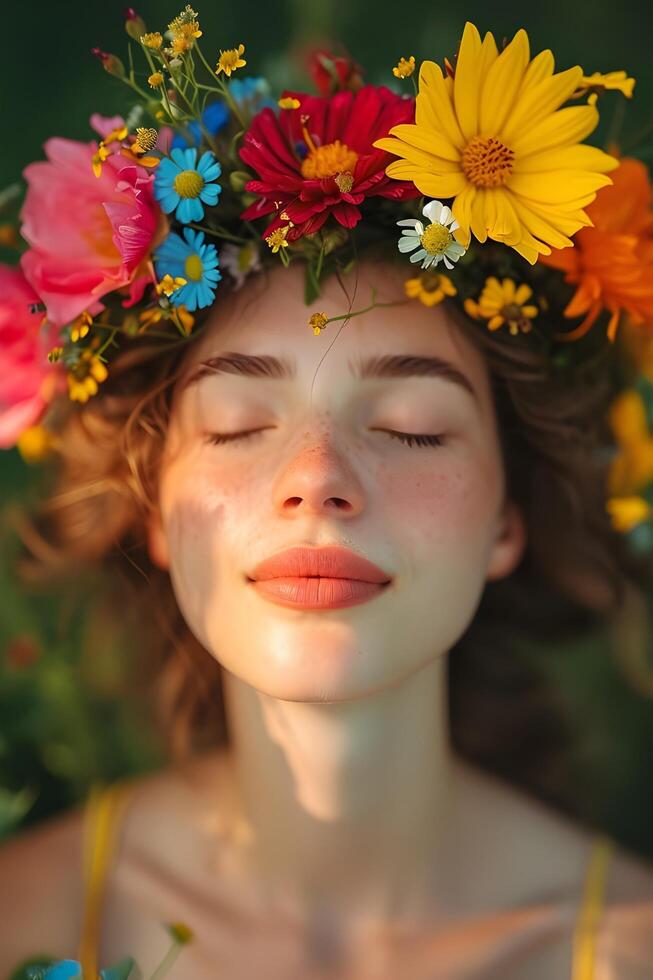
(321, 470)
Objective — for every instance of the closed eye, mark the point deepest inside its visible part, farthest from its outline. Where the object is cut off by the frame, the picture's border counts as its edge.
(218, 438)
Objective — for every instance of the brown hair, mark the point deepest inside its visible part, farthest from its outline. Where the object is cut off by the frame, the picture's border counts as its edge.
(576, 571)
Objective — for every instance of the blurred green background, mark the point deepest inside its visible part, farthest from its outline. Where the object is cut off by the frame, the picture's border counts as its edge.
(63, 722)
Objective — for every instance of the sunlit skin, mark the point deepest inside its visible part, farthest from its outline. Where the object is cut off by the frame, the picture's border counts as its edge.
(338, 718)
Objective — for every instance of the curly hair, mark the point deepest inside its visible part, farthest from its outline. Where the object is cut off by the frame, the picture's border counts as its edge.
(576, 573)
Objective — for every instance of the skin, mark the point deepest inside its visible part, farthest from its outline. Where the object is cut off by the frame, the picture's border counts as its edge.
(343, 778)
(337, 837)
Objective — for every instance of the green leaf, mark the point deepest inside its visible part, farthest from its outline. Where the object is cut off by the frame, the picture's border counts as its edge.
(120, 971)
(33, 969)
(311, 285)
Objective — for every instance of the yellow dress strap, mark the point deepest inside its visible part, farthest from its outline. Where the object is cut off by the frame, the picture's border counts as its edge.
(589, 918)
(104, 809)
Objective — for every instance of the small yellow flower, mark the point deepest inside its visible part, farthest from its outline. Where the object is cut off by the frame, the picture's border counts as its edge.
(632, 468)
(430, 287)
(185, 27)
(168, 285)
(180, 45)
(36, 443)
(80, 326)
(627, 418)
(153, 41)
(503, 302)
(404, 68)
(289, 102)
(98, 158)
(180, 932)
(84, 377)
(230, 60)
(277, 239)
(156, 80)
(116, 135)
(183, 318)
(146, 138)
(627, 512)
(138, 153)
(617, 80)
(318, 322)
(149, 317)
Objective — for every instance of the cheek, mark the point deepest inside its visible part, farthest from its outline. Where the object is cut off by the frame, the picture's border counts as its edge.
(446, 504)
(194, 517)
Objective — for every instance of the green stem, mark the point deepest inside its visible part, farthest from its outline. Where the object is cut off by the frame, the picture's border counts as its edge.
(205, 62)
(167, 961)
(150, 333)
(223, 87)
(198, 119)
(320, 259)
(372, 306)
(232, 104)
(136, 88)
(218, 233)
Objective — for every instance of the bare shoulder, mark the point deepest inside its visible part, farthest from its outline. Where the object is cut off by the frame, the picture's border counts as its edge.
(541, 853)
(173, 797)
(41, 890)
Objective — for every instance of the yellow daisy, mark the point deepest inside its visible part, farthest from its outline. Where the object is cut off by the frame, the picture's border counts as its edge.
(495, 139)
(503, 302)
(627, 512)
(36, 443)
(430, 287)
(318, 322)
(230, 60)
(83, 378)
(632, 468)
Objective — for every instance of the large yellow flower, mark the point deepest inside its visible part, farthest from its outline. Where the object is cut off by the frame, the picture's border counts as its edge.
(495, 139)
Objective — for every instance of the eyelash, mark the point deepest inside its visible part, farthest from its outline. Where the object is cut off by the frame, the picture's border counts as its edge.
(217, 438)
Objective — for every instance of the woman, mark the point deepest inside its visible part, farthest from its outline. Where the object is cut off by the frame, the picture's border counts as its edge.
(330, 808)
(337, 832)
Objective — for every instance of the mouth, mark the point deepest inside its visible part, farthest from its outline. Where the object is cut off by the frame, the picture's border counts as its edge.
(317, 592)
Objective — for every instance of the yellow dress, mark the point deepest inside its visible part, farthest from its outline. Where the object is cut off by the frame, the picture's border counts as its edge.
(104, 811)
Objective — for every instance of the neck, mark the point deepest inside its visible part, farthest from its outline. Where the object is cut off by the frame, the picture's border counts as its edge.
(346, 805)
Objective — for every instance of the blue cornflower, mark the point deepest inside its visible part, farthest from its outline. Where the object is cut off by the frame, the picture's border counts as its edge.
(184, 184)
(252, 93)
(215, 117)
(72, 970)
(194, 260)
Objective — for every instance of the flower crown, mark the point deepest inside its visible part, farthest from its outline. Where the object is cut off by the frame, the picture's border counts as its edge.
(478, 177)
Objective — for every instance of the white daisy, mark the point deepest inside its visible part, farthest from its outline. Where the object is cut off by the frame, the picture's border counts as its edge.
(240, 260)
(436, 241)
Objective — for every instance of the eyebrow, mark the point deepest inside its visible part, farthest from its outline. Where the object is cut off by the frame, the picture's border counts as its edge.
(386, 366)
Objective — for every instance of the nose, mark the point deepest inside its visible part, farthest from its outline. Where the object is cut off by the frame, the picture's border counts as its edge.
(318, 478)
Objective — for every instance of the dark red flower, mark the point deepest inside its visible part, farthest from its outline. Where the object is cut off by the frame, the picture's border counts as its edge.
(318, 160)
(332, 73)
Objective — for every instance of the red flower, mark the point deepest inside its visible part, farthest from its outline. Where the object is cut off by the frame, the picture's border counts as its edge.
(318, 159)
(331, 73)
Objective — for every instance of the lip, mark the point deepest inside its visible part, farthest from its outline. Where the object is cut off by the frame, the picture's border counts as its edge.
(317, 593)
(333, 562)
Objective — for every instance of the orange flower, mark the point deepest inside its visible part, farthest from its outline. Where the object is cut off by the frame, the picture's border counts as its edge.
(611, 264)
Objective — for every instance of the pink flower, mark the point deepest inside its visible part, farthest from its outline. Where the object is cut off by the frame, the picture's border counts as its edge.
(88, 235)
(28, 381)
